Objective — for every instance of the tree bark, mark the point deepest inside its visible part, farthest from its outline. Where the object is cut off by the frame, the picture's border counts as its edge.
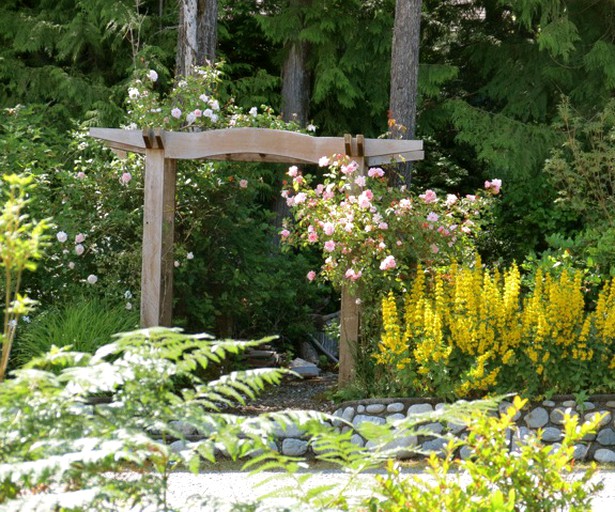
(296, 83)
(198, 34)
(404, 75)
(296, 80)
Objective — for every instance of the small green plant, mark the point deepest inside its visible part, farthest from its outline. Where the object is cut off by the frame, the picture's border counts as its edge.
(526, 476)
(21, 241)
(85, 324)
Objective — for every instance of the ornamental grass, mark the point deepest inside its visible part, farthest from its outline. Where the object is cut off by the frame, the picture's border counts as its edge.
(467, 332)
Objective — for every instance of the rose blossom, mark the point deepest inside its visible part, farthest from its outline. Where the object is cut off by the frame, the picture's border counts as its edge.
(126, 177)
(62, 237)
(329, 246)
(429, 196)
(311, 275)
(313, 237)
(328, 228)
(352, 274)
(152, 75)
(92, 279)
(388, 263)
(375, 172)
(80, 238)
(293, 171)
(79, 249)
(323, 161)
(284, 233)
(243, 183)
(176, 113)
(300, 198)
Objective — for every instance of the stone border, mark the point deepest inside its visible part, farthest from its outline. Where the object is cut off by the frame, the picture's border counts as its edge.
(546, 415)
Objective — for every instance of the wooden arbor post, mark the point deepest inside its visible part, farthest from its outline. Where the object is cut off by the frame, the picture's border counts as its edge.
(158, 233)
(162, 149)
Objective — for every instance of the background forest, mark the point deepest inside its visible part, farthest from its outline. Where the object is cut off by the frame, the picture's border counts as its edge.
(519, 90)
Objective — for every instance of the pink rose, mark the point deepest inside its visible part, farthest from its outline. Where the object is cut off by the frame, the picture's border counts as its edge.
(429, 197)
(79, 249)
(311, 275)
(80, 175)
(360, 181)
(352, 274)
(375, 172)
(176, 113)
(80, 238)
(293, 171)
(284, 233)
(388, 263)
(323, 161)
(434, 248)
(243, 183)
(328, 228)
(329, 246)
(126, 177)
(300, 198)
(312, 237)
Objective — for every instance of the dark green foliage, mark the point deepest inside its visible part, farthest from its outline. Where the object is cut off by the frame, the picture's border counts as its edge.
(77, 54)
(85, 324)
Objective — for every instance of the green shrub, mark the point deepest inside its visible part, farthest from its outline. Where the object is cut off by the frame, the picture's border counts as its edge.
(532, 478)
(84, 324)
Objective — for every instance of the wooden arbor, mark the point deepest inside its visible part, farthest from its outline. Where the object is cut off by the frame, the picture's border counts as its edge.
(162, 149)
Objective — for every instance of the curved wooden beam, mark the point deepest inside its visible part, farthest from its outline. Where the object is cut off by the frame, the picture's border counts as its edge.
(252, 144)
(258, 145)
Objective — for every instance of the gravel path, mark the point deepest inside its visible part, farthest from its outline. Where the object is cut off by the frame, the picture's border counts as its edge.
(214, 490)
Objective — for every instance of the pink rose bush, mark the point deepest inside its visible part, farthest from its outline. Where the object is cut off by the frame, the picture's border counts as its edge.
(371, 233)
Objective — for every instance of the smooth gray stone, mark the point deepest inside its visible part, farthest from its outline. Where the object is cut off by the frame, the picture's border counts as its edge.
(435, 427)
(286, 430)
(402, 446)
(603, 422)
(361, 418)
(435, 445)
(183, 427)
(588, 406)
(375, 408)
(604, 455)
(455, 428)
(294, 447)
(549, 403)
(395, 407)
(178, 446)
(358, 440)
(465, 452)
(348, 414)
(537, 418)
(606, 437)
(557, 415)
(569, 403)
(611, 404)
(395, 417)
(580, 452)
(419, 409)
(361, 408)
(440, 406)
(551, 434)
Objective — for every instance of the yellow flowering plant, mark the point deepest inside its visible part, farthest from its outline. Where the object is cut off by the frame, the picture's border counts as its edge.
(469, 332)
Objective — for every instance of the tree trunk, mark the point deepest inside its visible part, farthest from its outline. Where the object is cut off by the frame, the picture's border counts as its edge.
(295, 98)
(296, 83)
(404, 75)
(198, 35)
